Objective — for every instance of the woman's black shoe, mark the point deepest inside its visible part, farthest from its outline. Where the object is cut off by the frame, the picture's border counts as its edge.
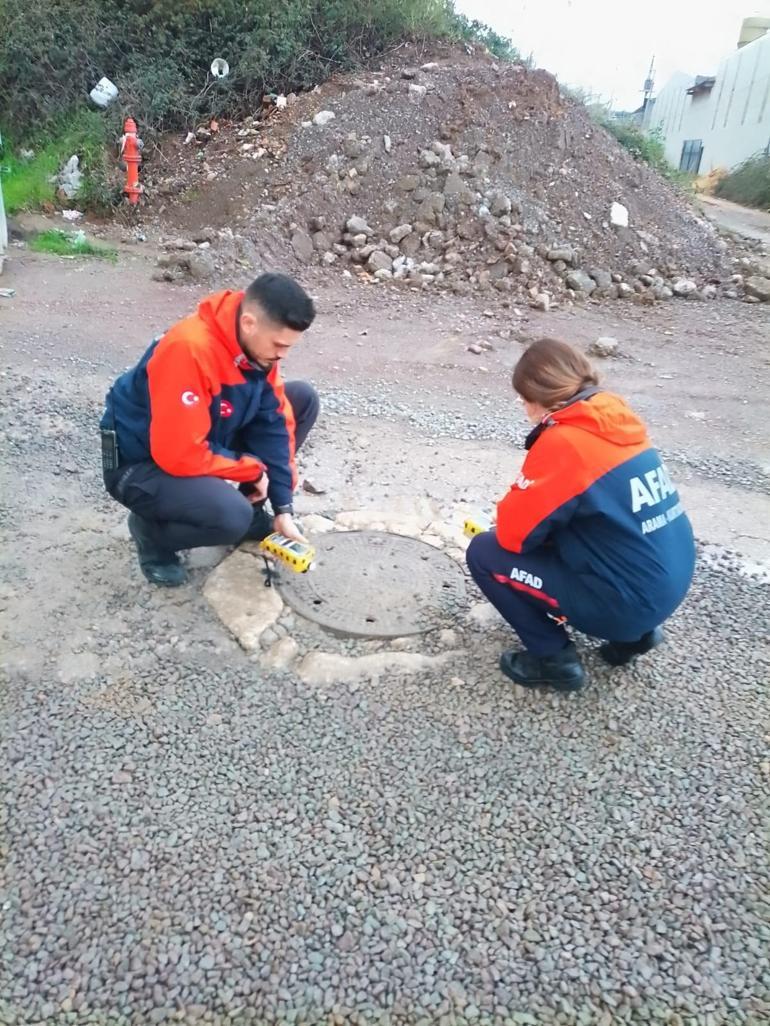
(619, 653)
(563, 671)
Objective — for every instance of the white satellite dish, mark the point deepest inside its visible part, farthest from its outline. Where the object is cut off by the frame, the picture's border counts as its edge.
(220, 68)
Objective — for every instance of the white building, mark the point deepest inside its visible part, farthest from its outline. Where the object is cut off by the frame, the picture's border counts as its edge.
(718, 121)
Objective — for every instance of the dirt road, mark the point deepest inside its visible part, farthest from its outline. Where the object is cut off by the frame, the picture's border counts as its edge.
(189, 836)
(732, 217)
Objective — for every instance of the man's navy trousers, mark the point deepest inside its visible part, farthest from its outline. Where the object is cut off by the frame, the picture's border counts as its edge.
(189, 512)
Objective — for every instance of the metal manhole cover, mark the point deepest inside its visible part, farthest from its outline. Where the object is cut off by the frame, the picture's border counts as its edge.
(376, 585)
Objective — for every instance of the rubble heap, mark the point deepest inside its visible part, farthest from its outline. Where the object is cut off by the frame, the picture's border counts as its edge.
(461, 174)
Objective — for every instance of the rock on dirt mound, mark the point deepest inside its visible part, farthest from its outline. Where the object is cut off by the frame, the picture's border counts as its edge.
(466, 175)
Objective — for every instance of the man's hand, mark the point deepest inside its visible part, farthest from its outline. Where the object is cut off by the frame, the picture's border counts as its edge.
(260, 490)
(284, 524)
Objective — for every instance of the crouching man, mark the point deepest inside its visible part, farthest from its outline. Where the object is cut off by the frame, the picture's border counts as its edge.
(206, 406)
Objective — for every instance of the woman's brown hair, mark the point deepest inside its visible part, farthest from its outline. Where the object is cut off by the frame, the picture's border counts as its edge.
(550, 372)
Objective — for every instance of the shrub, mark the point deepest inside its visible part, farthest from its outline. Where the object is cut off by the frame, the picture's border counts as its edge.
(646, 146)
(749, 183)
(461, 28)
(158, 52)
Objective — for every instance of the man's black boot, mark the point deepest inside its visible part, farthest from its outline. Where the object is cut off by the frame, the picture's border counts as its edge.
(563, 671)
(159, 567)
(619, 653)
(261, 524)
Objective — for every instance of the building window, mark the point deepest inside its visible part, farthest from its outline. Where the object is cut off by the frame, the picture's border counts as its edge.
(692, 151)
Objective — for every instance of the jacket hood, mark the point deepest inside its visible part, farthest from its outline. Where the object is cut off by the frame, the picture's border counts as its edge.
(220, 313)
(605, 415)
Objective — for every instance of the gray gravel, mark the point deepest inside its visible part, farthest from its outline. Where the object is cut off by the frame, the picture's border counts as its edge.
(384, 402)
(188, 839)
(489, 418)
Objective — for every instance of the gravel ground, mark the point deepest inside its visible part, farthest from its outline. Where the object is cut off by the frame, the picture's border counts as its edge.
(491, 421)
(187, 838)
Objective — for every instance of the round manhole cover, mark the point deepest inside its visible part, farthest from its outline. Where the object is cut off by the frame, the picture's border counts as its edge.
(376, 585)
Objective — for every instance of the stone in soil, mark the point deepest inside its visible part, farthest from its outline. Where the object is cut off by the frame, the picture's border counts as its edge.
(604, 347)
(684, 288)
(759, 287)
(236, 591)
(579, 281)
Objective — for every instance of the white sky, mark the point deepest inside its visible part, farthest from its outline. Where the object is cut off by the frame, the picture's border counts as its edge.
(606, 45)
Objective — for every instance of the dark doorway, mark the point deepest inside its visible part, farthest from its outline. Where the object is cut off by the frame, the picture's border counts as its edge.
(692, 151)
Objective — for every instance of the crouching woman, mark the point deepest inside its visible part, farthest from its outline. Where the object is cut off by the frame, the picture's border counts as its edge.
(592, 532)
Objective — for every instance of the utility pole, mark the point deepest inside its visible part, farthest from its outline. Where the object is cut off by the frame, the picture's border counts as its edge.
(649, 85)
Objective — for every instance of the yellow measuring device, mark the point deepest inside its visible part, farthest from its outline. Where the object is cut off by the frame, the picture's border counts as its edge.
(294, 554)
(476, 523)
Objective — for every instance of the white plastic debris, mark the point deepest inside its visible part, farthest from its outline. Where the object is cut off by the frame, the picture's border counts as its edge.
(71, 177)
(103, 93)
(619, 215)
(71, 215)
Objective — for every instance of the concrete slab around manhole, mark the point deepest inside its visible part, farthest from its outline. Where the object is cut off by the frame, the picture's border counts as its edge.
(376, 585)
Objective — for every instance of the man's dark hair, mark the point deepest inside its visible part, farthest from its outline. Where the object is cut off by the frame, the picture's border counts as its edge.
(283, 300)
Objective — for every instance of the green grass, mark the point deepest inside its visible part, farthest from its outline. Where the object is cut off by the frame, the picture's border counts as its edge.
(27, 183)
(63, 243)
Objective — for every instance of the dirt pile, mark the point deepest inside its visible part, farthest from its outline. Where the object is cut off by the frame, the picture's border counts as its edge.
(458, 174)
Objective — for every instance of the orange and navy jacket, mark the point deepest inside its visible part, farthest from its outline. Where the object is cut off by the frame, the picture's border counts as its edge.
(594, 489)
(196, 405)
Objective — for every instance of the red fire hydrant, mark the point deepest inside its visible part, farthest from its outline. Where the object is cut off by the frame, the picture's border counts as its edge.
(130, 152)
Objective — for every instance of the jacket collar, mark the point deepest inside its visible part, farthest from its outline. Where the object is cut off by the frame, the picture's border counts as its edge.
(548, 421)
